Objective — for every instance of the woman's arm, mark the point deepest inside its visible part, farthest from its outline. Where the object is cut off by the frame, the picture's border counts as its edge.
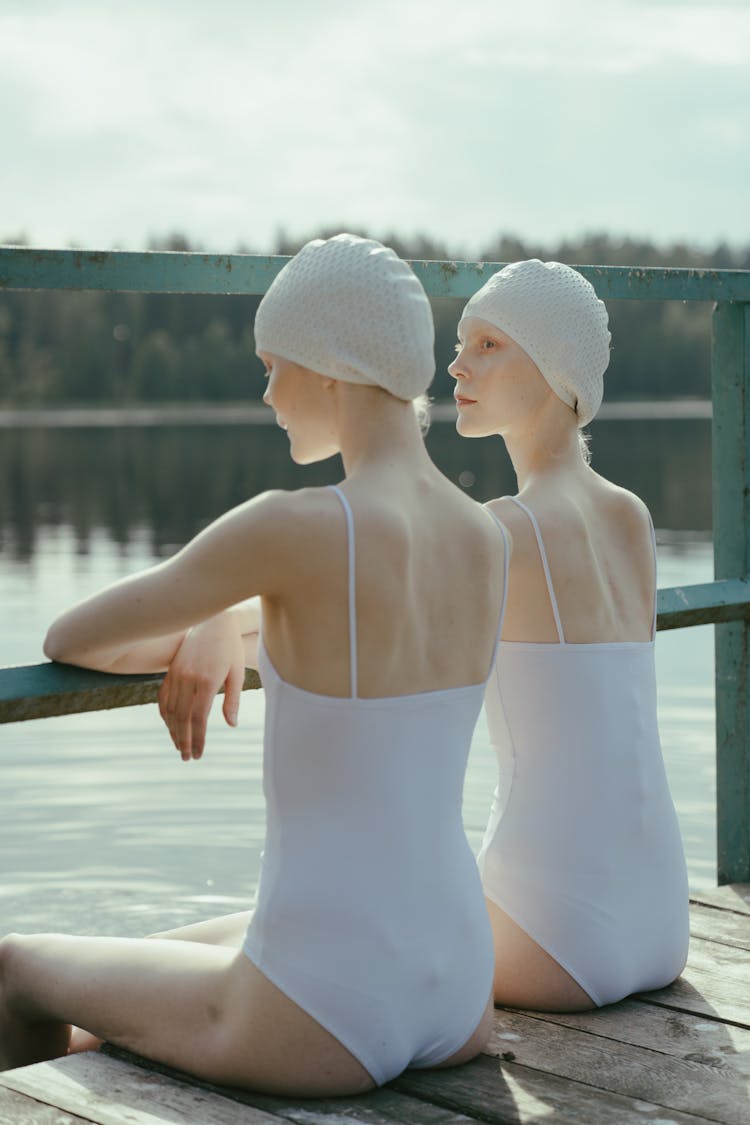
(213, 655)
(139, 623)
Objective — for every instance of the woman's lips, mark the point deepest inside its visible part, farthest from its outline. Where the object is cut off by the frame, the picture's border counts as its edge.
(462, 401)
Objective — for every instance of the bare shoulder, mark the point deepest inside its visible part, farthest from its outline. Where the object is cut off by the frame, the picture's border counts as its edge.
(514, 519)
(572, 513)
(271, 542)
(463, 519)
(289, 516)
(626, 510)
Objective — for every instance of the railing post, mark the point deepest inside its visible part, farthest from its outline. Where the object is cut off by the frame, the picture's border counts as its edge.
(730, 371)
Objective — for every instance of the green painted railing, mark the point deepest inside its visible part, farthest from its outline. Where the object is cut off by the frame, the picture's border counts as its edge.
(41, 690)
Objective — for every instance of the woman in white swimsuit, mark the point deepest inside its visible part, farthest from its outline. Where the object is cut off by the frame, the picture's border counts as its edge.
(582, 862)
(370, 949)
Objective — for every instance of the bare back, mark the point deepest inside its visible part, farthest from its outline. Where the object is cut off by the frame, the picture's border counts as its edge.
(429, 580)
(599, 546)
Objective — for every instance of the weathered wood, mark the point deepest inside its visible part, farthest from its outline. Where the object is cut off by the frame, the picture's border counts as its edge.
(703, 603)
(502, 1092)
(380, 1107)
(732, 896)
(642, 1073)
(722, 1046)
(18, 1109)
(166, 271)
(38, 691)
(109, 1091)
(723, 926)
(730, 445)
(715, 983)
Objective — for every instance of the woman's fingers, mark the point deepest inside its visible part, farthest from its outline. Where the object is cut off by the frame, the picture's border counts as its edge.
(211, 655)
(233, 692)
(203, 697)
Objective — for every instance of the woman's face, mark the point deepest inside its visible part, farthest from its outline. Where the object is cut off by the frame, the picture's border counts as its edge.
(497, 383)
(304, 407)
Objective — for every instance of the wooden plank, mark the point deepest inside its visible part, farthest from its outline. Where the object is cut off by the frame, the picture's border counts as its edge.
(732, 896)
(19, 1109)
(730, 444)
(703, 603)
(715, 983)
(711, 1043)
(720, 925)
(166, 271)
(502, 1091)
(641, 1073)
(380, 1107)
(38, 691)
(110, 1091)
(138, 271)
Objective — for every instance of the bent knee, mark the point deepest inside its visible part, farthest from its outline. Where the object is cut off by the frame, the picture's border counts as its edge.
(11, 950)
(13, 959)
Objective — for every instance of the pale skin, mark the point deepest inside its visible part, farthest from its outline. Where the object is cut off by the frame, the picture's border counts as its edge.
(191, 998)
(598, 540)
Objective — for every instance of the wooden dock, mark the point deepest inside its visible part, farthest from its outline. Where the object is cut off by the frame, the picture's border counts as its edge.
(680, 1056)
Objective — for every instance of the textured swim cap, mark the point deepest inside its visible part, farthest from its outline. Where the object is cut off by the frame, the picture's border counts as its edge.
(557, 318)
(350, 308)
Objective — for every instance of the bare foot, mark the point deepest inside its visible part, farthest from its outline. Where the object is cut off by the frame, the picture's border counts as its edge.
(81, 1040)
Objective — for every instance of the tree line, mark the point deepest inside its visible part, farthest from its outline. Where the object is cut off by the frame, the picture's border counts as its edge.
(60, 348)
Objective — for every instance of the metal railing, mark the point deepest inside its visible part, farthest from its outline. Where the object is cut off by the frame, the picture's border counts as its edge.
(41, 690)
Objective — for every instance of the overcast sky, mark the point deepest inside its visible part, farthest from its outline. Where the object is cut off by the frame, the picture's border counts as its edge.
(232, 119)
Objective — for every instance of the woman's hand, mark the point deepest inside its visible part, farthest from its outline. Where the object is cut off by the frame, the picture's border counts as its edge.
(211, 656)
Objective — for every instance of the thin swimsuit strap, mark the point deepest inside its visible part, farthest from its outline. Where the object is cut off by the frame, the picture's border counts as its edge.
(545, 564)
(548, 576)
(506, 569)
(353, 680)
(653, 543)
(352, 591)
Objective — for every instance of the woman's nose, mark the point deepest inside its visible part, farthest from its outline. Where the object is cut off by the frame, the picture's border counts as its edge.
(455, 369)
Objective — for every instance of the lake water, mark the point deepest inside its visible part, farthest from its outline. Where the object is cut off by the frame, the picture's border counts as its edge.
(103, 829)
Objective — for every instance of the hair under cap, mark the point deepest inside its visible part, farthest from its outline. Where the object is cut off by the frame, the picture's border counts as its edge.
(350, 308)
(553, 313)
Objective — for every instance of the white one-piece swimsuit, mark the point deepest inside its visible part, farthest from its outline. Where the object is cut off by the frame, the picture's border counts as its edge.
(370, 914)
(583, 849)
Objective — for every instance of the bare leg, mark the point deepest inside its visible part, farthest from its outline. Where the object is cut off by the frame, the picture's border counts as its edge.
(229, 930)
(201, 1008)
(525, 974)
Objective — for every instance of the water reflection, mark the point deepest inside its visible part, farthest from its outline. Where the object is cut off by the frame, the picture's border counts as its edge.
(174, 479)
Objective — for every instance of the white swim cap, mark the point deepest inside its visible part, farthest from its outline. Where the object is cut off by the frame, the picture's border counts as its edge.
(553, 313)
(350, 308)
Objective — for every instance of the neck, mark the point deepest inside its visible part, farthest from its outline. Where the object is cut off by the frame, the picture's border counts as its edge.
(545, 445)
(377, 432)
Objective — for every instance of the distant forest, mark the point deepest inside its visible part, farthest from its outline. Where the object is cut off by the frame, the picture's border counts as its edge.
(65, 348)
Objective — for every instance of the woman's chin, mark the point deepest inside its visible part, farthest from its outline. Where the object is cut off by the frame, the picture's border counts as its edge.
(467, 429)
(302, 456)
